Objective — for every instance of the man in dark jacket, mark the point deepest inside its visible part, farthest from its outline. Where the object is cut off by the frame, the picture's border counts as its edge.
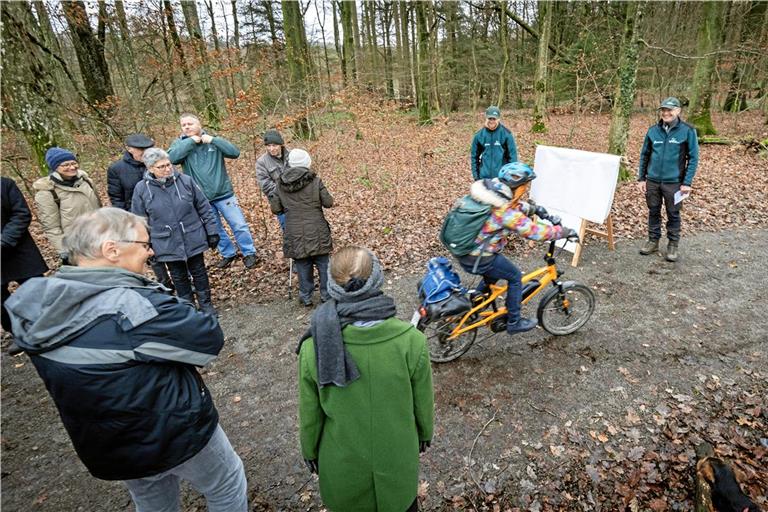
(668, 163)
(118, 357)
(202, 155)
(21, 259)
(122, 177)
(302, 196)
(492, 147)
(270, 165)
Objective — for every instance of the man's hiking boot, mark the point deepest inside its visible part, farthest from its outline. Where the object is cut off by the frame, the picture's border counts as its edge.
(522, 325)
(250, 261)
(672, 251)
(225, 262)
(650, 247)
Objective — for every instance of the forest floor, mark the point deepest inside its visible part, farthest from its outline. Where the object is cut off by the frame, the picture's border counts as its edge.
(605, 419)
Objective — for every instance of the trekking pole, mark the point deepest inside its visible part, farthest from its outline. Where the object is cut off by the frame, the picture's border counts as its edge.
(290, 278)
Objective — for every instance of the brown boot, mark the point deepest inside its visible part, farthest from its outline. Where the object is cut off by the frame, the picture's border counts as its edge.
(672, 251)
(650, 247)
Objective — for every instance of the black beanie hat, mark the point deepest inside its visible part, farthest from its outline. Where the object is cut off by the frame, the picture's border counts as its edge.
(273, 137)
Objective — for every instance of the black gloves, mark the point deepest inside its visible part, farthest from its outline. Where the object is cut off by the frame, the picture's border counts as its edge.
(554, 219)
(571, 235)
(213, 241)
(423, 445)
(311, 465)
(540, 211)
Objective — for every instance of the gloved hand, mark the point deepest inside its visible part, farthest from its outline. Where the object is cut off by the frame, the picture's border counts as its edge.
(540, 211)
(423, 445)
(571, 234)
(554, 219)
(311, 465)
(64, 258)
(213, 240)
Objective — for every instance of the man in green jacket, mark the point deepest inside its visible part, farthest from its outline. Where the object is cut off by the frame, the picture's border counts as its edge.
(202, 157)
(492, 147)
(668, 163)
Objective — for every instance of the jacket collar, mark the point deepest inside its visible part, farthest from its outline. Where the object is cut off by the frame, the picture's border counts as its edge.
(128, 158)
(386, 330)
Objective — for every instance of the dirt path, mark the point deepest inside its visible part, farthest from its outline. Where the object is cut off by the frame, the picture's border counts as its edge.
(675, 353)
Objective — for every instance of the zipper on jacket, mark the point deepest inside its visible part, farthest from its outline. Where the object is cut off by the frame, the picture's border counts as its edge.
(182, 228)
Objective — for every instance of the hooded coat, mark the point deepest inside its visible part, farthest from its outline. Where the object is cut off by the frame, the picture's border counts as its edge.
(302, 196)
(180, 217)
(118, 356)
(59, 203)
(365, 436)
(122, 177)
(21, 258)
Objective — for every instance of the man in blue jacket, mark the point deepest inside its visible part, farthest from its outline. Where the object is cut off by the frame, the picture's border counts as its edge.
(492, 147)
(668, 163)
(202, 157)
(118, 356)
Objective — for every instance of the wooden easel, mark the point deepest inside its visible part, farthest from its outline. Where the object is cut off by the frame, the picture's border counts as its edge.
(583, 230)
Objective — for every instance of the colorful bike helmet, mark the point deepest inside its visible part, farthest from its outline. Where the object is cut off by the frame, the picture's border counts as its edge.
(515, 174)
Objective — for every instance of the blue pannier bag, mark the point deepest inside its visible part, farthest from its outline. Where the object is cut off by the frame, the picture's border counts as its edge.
(440, 281)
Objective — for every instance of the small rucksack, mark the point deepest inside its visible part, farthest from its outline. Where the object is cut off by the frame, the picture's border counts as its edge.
(462, 224)
(439, 282)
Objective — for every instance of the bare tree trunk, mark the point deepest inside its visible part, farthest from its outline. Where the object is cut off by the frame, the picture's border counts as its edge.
(624, 95)
(736, 100)
(348, 22)
(321, 21)
(422, 91)
(236, 35)
(405, 51)
(709, 39)
(337, 43)
(90, 53)
(176, 40)
(504, 43)
(189, 8)
(540, 87)
(386, 25)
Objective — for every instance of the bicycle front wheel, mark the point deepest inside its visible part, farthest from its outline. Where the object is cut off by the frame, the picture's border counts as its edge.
(564, 312)
(441, 349)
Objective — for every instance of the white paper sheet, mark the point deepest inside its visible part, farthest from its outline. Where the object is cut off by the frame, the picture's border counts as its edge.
(575, 182)
(680, 195)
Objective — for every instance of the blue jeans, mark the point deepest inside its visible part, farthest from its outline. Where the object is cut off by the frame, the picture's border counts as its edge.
(230, 210)
(216, 472)
(281, 220)
(493, 268)
(305, 268)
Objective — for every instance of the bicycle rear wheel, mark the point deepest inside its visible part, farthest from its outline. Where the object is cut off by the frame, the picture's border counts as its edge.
(441, 349)
(564, 312)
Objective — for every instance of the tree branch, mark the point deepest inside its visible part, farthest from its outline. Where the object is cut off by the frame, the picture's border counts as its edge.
(695, 57)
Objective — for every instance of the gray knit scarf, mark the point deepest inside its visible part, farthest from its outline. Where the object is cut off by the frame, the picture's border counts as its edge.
(356, 301)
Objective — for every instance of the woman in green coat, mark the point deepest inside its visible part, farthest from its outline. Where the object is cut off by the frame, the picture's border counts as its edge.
(366, 403)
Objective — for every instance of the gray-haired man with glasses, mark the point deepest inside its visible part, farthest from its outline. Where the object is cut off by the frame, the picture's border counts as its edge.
(118, 356)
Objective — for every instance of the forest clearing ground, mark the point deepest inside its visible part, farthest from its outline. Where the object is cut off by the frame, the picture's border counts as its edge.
(674, 353)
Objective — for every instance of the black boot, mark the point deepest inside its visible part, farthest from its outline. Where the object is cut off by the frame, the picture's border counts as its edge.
(204, 300)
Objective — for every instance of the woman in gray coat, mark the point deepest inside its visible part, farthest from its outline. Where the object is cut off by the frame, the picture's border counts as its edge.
(307, 235)
(181, 225)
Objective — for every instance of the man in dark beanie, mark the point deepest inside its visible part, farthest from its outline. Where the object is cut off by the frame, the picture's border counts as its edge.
(122, 177)
(270, 165)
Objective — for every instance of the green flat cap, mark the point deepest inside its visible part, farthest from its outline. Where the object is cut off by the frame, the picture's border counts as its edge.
(670, 102)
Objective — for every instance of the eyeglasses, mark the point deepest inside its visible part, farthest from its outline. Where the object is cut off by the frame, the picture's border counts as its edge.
(164, 166)
(71, 163)
(147, 245)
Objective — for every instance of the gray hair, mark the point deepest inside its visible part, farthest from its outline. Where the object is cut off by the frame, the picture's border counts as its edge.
(90, 230)
(190, 115)
(153, 155)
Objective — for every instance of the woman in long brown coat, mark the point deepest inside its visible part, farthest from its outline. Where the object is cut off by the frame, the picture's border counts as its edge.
(302, 196)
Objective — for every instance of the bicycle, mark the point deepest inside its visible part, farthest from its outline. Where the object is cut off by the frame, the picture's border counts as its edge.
(562, 310)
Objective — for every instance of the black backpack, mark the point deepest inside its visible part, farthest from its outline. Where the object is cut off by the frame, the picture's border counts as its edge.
(462, 225)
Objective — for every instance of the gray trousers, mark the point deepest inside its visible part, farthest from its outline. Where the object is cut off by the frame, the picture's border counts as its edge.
(215, 471)
(655, 194)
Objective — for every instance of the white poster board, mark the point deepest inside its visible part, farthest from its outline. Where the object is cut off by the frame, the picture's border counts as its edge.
(574, 182)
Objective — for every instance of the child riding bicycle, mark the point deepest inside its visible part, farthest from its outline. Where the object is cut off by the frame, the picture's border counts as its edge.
(507, 215)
